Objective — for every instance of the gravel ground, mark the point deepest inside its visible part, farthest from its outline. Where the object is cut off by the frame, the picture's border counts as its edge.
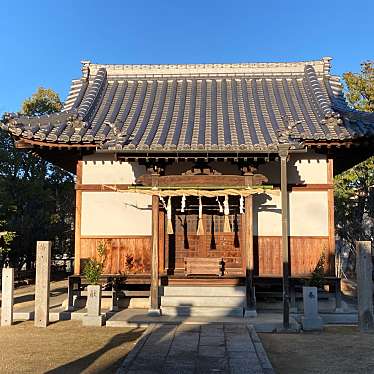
(336, 350)
(64, 347)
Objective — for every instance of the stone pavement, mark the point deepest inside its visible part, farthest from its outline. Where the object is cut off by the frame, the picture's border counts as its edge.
(198, 349)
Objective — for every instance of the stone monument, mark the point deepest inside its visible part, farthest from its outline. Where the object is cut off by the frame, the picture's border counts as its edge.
(43, 271)
(311, 321)
(7, 296)
(93, 316)
(364, 270)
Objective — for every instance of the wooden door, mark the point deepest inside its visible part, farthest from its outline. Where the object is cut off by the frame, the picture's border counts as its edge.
(214, 242)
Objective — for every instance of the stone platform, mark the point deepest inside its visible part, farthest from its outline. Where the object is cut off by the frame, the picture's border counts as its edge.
(139, 318)
(198, 348)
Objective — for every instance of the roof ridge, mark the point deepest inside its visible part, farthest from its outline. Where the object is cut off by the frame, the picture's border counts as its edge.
(322, 67)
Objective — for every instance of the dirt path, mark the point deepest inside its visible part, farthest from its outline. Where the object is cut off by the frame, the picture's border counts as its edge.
(337, 350)
(64, 347)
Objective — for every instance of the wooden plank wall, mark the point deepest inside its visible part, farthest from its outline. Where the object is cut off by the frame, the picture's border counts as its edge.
(135, 251)
(305, 253)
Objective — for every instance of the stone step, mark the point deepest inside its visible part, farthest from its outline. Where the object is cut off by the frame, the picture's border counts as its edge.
(204, 301)
(186, 311)
(204, 291)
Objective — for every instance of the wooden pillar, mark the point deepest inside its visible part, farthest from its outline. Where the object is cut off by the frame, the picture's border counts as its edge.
(154, 302)
(330, 192)
(283, 153)
(78, 217)
(249, 261)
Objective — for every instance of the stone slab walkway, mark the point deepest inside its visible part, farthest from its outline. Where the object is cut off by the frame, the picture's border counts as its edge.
(198, 349)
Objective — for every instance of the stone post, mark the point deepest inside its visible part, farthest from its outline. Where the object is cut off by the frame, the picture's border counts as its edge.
(364, 270)
(93, 316)
(7, 292)
(43, 270)
(311, 320)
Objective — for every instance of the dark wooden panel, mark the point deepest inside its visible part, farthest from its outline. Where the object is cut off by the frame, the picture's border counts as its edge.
(305, 251)
(129, 255)
(203, 180)
(213, 243)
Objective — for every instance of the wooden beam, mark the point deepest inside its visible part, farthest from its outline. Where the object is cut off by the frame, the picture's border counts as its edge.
(331, 210)
(248, 243)
(110, 187)
(283, 153)
(306, 187)
(78, 219)
(203, 180)
(101, 187)
(161, 243)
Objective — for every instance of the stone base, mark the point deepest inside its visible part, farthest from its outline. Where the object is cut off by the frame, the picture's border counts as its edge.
(291, 330)
(250, 313)
(139, 303)
(154, 312)
(312, 324)
(88, 320)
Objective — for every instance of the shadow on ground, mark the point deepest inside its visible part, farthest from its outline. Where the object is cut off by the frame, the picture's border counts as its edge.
(84, 363)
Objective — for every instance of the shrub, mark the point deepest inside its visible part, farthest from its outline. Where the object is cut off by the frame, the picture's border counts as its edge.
(94, 268)
(318, 274)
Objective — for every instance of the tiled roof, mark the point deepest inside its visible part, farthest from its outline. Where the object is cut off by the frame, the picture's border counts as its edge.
(207, 107)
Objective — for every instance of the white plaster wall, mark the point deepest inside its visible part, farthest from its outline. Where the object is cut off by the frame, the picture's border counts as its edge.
(308, 214)
(102, 169)
(116, 213)
(309, 168)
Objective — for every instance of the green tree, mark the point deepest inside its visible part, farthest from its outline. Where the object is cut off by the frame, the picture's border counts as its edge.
(354, 194)
(36, 197)
(43, 101)
(360, 87)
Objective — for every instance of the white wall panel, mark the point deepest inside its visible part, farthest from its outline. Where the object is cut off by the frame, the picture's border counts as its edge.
(308, 214)
(99, 169)
(116, 213)
(307, 168)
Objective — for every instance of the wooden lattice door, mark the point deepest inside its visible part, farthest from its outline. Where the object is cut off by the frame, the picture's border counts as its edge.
(185, 242)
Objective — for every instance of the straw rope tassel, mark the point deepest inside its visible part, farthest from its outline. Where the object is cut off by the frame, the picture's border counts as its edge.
(170, 230)
(219, 205)
(183, 203)
(226, 211)
(200, 226)
(241, 204)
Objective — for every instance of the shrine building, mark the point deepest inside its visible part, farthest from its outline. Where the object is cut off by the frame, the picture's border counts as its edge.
(207, 175)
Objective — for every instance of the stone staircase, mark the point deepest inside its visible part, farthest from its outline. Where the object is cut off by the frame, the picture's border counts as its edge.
(203, 301)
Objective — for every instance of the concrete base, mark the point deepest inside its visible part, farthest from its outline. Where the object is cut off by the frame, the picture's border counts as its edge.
(291, 330)
(339, 310)
(93, 320)
(188, 311)
(154, 312)
(139, 302)
(340, 318)
(312, 324)
(138, 318)
(250, 313)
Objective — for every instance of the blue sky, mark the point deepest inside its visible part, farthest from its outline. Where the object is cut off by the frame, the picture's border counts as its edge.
(42, 42)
